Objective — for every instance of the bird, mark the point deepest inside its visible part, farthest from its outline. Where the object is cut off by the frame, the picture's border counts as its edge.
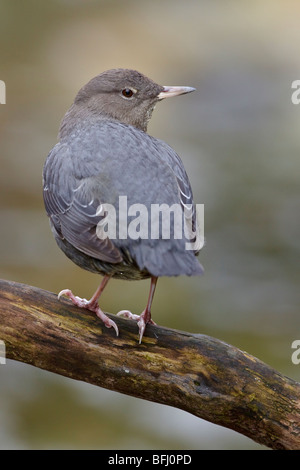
(104, 157)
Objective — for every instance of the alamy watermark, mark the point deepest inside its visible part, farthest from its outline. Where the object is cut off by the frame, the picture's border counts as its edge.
(296, 354)
(296, 94)
(159, 221)
(2, 92)
(2, 352)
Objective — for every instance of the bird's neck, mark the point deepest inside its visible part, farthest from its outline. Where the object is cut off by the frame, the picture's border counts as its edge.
(77, 116)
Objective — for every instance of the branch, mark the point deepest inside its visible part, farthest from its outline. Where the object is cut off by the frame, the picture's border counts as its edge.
(196, 373)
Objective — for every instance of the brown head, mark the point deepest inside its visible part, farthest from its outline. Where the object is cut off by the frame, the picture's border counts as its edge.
(120, 94)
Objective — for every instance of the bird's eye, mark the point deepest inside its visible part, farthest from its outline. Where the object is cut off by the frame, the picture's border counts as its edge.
(127, 92)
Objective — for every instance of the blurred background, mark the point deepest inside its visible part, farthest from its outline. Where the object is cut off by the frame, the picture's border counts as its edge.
(238, 136)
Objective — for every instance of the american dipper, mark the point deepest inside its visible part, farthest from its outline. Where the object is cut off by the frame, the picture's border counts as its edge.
(104, 157)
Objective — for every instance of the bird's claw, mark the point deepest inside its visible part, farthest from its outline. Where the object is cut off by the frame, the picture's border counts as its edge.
(78, 301)
(140, 319)
(107, 321)
(92, 306)
(128, 314)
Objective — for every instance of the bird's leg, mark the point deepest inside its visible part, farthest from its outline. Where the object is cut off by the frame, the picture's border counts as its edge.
(92, 304)
(145, 317)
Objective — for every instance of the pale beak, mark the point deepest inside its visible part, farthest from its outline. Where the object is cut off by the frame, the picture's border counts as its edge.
(169, 91)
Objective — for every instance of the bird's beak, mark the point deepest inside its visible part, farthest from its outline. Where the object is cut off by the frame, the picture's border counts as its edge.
(169, 91)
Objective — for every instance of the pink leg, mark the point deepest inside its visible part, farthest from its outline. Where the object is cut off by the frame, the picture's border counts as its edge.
(145, 317)
(92, 304)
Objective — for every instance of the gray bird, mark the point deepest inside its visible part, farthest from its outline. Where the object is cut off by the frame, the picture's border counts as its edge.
(105, 158)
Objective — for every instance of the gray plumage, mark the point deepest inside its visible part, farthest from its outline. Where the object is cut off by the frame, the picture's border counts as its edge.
(104, 152)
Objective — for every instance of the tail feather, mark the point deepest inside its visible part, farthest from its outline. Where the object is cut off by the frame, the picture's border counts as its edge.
(168, 263)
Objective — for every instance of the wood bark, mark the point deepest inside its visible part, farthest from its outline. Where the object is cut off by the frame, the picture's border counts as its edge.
(199, 374)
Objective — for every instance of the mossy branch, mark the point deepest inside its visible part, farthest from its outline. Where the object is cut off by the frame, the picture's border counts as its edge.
(196, 373)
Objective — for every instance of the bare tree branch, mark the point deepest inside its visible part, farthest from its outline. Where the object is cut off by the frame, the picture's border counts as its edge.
(196, 373)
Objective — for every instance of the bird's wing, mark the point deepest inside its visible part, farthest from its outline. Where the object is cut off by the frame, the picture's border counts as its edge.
(73, 207)
(186, 194)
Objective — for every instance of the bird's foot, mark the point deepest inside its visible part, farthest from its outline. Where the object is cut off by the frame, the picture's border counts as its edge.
(142, 320)
(91, 305)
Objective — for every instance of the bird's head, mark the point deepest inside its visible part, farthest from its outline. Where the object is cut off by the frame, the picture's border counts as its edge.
(123, 95)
